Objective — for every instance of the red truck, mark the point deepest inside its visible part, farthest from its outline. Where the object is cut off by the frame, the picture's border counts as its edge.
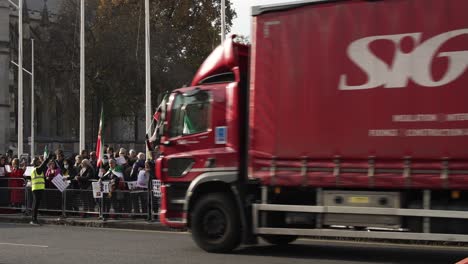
(342, 119)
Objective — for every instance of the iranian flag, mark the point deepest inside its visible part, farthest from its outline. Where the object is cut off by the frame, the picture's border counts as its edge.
(99, 143)
(46, 152)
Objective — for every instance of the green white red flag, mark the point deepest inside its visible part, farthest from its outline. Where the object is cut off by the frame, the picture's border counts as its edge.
(99, 142)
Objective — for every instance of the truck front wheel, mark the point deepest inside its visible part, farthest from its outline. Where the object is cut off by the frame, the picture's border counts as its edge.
(215, 223)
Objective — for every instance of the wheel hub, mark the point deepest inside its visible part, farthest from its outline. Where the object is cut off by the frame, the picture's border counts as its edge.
(214, 224)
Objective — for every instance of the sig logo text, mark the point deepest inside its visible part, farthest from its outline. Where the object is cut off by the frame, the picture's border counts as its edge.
(415, 65)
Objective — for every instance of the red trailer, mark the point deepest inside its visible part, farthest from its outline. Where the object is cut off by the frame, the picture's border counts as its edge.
(344, 118)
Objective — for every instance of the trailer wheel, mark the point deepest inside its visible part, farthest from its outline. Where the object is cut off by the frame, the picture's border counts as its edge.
(215, 223)
(279, 240)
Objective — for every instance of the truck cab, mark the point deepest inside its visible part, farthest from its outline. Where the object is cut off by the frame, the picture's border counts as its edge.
(200, 139)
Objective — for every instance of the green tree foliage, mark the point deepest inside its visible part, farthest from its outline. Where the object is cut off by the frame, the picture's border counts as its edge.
(183, 33)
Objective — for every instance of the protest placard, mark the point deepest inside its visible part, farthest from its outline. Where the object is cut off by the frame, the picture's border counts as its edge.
(97, 189)
(60, 183)
(132, 185)
(28, 171)
(157, 188)
(105, 187)
(121, 160)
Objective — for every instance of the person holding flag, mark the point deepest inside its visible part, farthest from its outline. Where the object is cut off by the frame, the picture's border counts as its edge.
(152, 143)
(38, 183)
(114, 175)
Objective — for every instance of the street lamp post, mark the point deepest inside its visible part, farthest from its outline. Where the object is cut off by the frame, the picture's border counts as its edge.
(32, 99)
(19, 6)
(223, 20)
(147, 71)
(20, 78)
(82, 77)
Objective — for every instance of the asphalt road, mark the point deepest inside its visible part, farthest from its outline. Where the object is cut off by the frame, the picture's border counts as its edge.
(21, 243)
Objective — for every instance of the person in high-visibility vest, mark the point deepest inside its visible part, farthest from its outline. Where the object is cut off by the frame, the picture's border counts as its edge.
(38, 185)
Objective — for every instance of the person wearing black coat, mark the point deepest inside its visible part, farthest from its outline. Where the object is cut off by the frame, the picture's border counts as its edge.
(84, 179)
(109, 198)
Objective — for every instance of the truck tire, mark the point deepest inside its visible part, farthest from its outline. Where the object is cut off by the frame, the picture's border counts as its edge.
(279, 240)
(216, 224)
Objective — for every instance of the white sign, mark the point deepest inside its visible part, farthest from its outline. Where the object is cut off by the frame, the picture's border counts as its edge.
(97, 189)
(2, 171)
(105, 187)
(60, 182)
(121, 161)
(8, 168)
(132, 185)
(157, 188)
(28, 171)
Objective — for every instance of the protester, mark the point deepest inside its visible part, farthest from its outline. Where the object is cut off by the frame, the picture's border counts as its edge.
(52, 196)
(118, 202)
(105, 164)
(23, 164)
(113, 177)
(124, 195)
(84, 178)
(68, 175)
(16, 184)
(138, 166)
(3, 162)
(77, 165)
(93, 159)
(60, 158)
(132, 157)
(84, 154)
(9, 156)
(4, 195)
(139, 194)
(110, 153)
(38, 185)
(67, 171)
(52, 171)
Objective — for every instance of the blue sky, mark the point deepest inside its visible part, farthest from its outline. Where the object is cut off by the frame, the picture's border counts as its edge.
(241, 25)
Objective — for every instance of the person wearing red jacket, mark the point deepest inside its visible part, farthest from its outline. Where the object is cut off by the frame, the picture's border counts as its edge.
(16, 184)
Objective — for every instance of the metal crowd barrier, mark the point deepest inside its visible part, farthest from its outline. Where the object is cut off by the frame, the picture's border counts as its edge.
(80, 202)
(13, 194)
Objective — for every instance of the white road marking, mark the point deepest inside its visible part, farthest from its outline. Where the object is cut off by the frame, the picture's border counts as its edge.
(24, 245)
(142, 231)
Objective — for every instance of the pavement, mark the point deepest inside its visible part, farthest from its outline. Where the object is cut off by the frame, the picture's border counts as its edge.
(91, 221)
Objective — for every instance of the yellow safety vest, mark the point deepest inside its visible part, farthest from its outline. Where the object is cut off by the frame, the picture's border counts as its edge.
(37, 181)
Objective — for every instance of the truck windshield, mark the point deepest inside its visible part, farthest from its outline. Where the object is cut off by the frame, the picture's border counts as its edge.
(189, 114)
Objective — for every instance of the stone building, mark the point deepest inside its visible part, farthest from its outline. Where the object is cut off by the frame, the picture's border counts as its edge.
(56, 95)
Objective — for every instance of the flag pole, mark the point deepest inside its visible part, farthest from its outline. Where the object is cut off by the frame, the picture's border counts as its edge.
(82, 77)
(20, 78)
(223, 21)
(147, 72)
(32, 99)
